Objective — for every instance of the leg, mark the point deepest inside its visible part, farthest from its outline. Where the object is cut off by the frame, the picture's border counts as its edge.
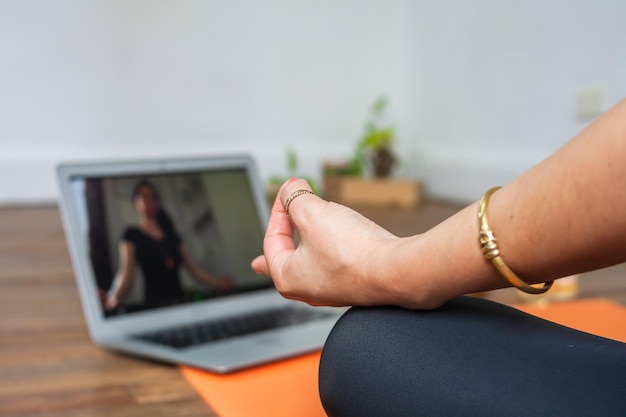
(470, 357)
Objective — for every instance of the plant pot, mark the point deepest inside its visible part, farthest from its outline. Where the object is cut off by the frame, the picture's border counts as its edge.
(382, 163)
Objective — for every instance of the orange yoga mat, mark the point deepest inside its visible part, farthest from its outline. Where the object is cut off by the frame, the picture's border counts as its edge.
(598, 316)
(282, 389)
(289, 388)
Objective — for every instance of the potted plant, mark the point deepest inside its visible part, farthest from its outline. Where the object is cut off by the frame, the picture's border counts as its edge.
(375, 148)
(345, 182)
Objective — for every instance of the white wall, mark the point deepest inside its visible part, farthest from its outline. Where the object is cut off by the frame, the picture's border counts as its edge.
(480, 90)
(494, 83)
(130, 78)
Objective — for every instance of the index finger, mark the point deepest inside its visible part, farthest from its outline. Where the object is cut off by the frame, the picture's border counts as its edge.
(278, 243)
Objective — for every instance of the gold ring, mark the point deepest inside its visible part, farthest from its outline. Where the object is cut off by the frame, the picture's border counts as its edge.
(292, 196)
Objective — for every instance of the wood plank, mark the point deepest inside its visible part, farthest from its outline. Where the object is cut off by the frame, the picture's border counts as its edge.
(48, 364)
(66, 400)
(182, 408)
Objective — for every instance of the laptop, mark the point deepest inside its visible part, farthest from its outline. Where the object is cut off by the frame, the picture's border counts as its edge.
(182, 292)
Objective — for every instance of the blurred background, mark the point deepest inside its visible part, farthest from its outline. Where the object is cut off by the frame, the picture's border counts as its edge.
(478, 91)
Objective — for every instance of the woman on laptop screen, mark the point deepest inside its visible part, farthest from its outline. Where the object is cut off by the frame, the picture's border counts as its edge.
(159, 251)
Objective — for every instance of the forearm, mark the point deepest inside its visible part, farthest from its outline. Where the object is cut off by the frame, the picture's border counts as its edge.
(120, 287)
(565, 215)
(194, 269)
(203, 276)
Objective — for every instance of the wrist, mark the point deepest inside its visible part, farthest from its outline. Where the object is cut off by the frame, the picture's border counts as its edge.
(414, 282)
(444, 262)
(394, 276)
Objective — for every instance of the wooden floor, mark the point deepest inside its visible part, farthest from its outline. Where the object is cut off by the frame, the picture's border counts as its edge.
(48, 366)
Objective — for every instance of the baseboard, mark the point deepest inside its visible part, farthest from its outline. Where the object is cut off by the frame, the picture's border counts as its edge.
(447, 173)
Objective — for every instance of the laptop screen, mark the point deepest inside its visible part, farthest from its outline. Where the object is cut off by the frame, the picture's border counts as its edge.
(167, 239)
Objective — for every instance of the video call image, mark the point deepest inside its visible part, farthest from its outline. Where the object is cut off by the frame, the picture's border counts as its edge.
(163, 240)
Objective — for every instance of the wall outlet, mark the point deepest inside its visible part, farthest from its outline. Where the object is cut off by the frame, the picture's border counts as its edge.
(590, 101)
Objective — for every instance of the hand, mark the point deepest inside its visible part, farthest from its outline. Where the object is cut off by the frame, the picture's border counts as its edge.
(225, 282)
(111, 302)
(341, 259)
(102, 296)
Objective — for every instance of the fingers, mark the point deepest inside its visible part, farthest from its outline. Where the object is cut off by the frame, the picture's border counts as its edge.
(279, 244)
(260, 266)
(292, 191)
(279, 233)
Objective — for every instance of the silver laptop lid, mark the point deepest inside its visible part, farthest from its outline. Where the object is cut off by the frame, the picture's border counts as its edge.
(215, 207)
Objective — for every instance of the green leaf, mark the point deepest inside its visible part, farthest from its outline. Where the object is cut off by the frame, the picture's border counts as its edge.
(379, 105)
(292, 162)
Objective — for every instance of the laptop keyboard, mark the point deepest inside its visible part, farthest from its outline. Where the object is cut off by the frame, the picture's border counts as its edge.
(200, 333)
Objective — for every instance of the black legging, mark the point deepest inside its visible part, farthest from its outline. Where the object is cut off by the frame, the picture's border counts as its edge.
(470, 357)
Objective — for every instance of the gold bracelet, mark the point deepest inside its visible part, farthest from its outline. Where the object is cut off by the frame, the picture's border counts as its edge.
(491, 251)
